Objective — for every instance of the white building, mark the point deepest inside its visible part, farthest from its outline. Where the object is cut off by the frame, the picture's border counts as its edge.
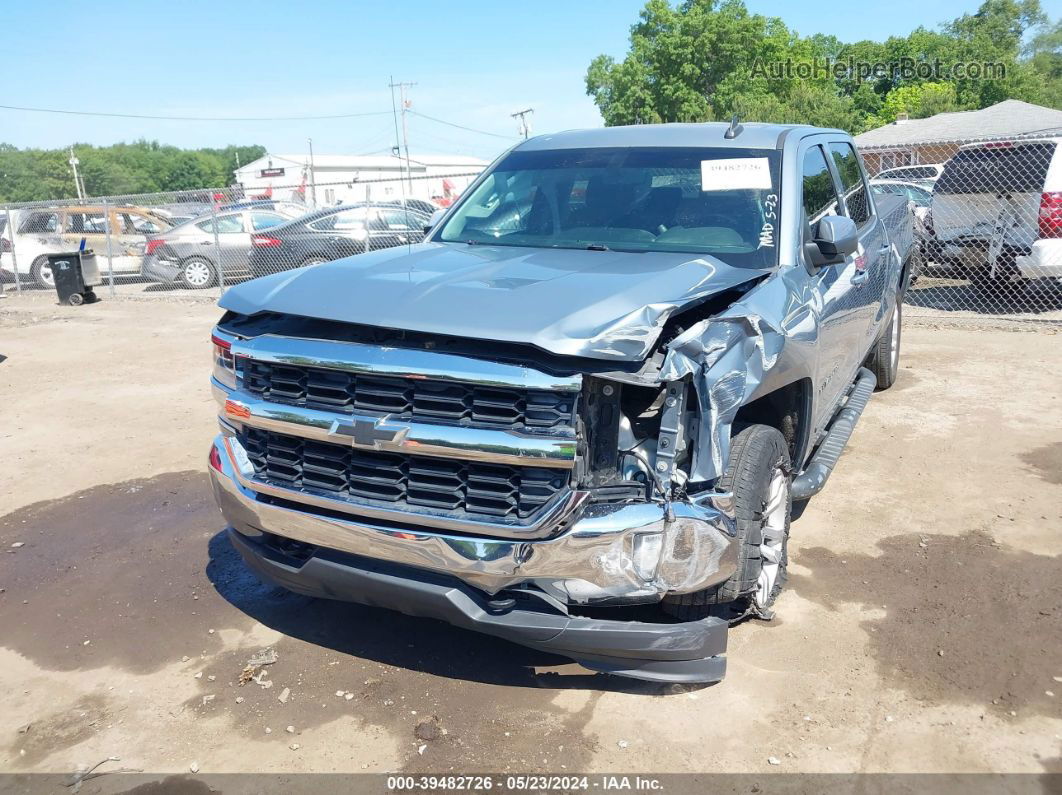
(345, 178)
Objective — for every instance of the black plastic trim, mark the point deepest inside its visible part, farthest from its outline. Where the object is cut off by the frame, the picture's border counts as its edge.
(689, 652)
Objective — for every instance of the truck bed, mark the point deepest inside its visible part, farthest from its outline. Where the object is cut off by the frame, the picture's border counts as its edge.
(899, 223)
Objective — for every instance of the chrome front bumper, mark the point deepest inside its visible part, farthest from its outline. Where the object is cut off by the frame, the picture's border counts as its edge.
(609, 553)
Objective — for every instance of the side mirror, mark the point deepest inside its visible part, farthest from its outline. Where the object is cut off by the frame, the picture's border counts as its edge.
(434, 219)
(835, 238)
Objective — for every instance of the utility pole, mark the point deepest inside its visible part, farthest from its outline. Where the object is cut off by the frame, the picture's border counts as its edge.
(73, 161)
(525, 125)
(405, 130)
(313, 179)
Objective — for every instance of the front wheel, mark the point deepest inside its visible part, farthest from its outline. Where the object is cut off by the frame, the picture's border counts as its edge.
(197, 273)
(41, 272)
(758, 473)
(884, 360)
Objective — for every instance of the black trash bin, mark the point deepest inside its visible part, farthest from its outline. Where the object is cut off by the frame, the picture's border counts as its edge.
(75, 274)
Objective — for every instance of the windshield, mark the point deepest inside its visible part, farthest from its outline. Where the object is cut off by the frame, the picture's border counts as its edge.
(701, 201)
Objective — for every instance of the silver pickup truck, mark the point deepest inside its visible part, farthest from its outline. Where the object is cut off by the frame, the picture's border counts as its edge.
(578, 414)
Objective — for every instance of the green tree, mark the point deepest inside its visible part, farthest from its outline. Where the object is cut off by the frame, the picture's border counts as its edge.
(121, 169)
(702, 60)
(918, 101)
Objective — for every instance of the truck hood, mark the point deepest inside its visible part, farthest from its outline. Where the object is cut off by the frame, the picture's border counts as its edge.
(598, 304)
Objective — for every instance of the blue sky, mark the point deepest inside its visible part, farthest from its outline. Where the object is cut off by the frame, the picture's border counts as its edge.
(474, 63)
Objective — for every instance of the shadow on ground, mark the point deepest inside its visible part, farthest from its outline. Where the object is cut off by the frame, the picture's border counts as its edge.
(966, 620)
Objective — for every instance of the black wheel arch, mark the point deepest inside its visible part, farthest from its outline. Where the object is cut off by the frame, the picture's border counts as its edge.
(787, 408)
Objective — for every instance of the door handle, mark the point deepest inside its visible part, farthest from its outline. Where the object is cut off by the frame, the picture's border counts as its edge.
(860, 278)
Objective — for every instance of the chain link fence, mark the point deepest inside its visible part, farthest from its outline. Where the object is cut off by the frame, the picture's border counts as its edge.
(989, 224)
(197, 242)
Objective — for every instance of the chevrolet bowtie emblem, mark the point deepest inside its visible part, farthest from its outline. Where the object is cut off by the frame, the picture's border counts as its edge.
(367, 431)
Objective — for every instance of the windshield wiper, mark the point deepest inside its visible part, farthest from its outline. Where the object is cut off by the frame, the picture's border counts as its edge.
(598, 247)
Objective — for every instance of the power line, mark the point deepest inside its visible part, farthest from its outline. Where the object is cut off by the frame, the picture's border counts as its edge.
(192, 118)
(460, 126)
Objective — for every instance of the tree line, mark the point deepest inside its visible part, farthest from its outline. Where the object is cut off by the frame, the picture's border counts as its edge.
(705, 60)
(139, 167)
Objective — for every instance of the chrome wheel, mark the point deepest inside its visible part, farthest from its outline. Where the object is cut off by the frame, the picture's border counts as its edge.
(775, 533)
(197, 274)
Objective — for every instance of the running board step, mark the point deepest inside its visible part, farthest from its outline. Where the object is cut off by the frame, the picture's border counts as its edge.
(814, 477)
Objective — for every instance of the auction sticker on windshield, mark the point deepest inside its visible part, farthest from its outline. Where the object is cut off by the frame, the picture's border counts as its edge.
(736, 173)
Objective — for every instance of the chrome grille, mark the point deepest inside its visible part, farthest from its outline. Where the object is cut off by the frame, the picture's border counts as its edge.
(452, 486)
(414, 398)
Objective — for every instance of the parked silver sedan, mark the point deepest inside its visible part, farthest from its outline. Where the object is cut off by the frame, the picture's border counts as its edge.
(191, 254)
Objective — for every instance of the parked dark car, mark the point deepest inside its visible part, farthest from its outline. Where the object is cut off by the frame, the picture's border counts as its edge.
(334, 233)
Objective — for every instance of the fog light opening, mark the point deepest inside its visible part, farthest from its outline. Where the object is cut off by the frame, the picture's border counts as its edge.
(646, 555)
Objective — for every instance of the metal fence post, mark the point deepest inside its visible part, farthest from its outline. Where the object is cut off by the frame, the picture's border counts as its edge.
(110, 250)
(365, 219)
(14, 254)
(217, 243)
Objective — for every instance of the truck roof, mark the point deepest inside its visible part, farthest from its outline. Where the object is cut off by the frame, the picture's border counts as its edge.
(753, 135)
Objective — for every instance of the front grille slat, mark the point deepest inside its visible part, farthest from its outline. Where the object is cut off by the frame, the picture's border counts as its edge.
(464, 488)
(408, 398)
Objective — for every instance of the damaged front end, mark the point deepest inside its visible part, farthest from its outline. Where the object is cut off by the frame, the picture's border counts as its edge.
(604, 493)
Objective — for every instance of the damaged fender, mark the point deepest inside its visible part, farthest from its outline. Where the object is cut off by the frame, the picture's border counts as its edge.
(726, 358)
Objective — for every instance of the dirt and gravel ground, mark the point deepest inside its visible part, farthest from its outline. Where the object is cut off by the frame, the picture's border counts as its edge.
(920, 632)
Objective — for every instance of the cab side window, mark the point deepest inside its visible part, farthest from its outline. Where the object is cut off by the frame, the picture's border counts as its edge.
(820, 194)
(852, 183)
(40, 223)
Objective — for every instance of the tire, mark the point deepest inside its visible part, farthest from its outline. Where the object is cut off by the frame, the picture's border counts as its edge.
(884, 359)
(759, 475)
(42, 274)
(77, 299)
(197, 273)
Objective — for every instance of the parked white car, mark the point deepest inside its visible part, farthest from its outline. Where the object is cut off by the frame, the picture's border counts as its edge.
(998, 206)
(40, 231)
(912, 191)
(926, 172)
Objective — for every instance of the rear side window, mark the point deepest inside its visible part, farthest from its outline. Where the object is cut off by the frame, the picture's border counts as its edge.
(86, 223)
(820, 195)
(855, 189)
(266, 220)
(353, 218)
(227, 224)
(397, 218)
(997, 169)
(137, 224)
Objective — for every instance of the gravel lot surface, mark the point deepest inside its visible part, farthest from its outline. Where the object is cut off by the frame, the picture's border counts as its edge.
(920, 631)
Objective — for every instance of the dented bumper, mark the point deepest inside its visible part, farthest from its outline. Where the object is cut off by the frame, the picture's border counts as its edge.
(690, 652)
(609, 553)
